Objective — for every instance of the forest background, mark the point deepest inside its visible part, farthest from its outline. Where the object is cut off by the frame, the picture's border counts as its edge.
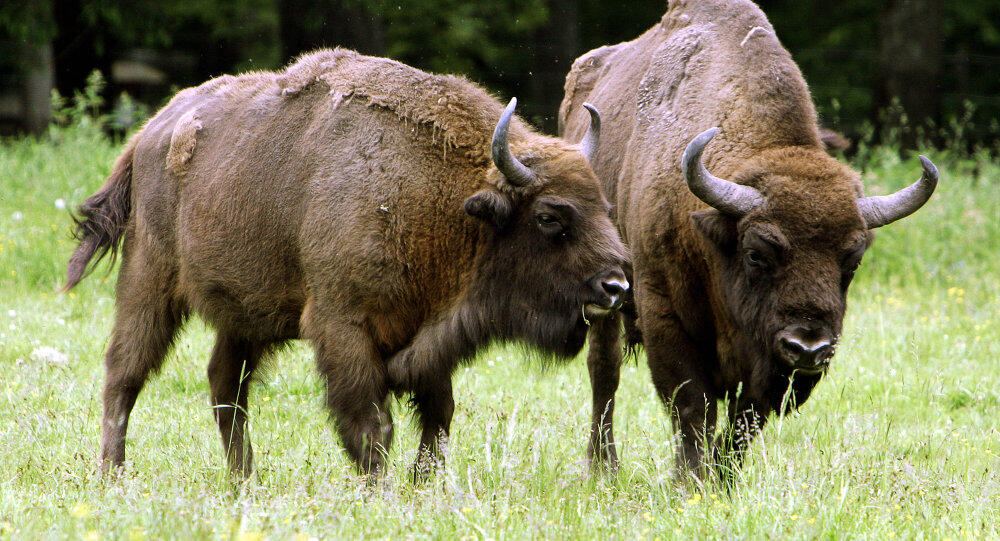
(900, 70)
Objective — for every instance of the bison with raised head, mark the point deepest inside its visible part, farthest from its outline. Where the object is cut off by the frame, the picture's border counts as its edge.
(743, 245)
(390, 216)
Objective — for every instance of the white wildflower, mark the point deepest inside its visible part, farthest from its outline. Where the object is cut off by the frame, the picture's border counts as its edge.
(60, 203)
(48, 354)
(17, 216)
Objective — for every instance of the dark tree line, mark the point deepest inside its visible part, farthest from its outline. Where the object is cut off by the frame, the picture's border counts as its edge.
(923, 61)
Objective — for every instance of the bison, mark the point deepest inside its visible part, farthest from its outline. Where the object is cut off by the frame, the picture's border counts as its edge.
(743, 249)
(388, 215)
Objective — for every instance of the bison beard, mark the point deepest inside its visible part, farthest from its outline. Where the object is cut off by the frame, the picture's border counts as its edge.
(397, 219)
(741, 279)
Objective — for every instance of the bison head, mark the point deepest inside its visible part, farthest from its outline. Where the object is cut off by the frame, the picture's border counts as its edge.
(551, 253)
(790, 232)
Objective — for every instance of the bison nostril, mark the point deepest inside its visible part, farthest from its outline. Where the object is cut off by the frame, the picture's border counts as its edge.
(614, 287)
(814, 352)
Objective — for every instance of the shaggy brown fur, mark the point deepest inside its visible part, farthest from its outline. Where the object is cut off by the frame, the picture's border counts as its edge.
(714, 293)
(352, 201)
(833, 142)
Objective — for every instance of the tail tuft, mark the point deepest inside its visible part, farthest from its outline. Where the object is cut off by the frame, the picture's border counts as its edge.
(101, 220)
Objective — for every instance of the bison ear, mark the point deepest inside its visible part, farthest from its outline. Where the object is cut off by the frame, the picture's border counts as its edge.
(489, 206)
(716, 226)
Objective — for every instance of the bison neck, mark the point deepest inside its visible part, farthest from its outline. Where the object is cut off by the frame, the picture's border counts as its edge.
(478, 320)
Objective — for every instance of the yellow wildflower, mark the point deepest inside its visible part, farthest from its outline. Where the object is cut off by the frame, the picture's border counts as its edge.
(80, 510)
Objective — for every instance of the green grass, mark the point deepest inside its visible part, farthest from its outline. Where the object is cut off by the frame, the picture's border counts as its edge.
(900, 440)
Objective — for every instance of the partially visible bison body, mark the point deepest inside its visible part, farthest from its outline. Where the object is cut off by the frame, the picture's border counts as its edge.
(832, 141)
(741, 279)
(356, 202)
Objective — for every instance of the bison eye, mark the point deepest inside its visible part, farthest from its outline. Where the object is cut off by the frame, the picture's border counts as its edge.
(550, 225)
(848, 274)
(755, 259)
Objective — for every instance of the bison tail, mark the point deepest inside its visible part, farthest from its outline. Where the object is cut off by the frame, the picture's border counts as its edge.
(101, 220)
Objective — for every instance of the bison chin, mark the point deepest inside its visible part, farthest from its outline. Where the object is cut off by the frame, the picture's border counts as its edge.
(785, 380)
(557, 334)
(788, 389)
(563, 332)
(555, 317)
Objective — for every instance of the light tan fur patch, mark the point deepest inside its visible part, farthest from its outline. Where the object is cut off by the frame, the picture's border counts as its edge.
(182, 141)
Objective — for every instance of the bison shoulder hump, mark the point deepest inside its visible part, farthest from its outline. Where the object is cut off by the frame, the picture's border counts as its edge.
(461, 114)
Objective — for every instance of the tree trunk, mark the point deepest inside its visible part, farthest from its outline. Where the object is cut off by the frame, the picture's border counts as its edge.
(39, 80)
(307, 25)
(556, 45)
(910, 57)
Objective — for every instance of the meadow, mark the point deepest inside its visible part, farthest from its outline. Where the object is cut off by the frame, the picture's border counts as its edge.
(900, 440)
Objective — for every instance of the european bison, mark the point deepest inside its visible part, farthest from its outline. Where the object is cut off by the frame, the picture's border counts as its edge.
(356, 202)
(741, 278)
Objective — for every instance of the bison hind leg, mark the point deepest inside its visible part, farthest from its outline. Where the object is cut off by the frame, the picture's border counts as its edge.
(146, 321)
(230, 372)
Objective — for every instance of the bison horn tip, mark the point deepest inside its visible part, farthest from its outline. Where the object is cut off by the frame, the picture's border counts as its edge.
(588, 145)
(880, 210)
(930, 170)
(694, 149)
(516, 172)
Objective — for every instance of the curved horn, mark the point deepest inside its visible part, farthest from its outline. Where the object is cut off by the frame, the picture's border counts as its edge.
(879, 210)
(728, 197)
(588, 145)
(516, 172)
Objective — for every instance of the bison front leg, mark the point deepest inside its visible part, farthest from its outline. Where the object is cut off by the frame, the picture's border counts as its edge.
(746, 420)
(424, 369)
(604, 360)
(676, 363)
(357, 394)
(435, 405)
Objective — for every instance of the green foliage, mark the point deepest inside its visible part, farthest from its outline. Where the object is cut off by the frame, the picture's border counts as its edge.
(837, 48)
(27, 21)
(84, 111)
(974, 20)
(248, 26)
(455, 36)
(496, 42)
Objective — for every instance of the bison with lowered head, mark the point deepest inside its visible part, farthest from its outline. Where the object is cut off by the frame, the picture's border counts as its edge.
(743, 245)
(390, 216)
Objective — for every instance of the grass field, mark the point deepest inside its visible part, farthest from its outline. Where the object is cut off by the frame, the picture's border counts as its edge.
(901, 440)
